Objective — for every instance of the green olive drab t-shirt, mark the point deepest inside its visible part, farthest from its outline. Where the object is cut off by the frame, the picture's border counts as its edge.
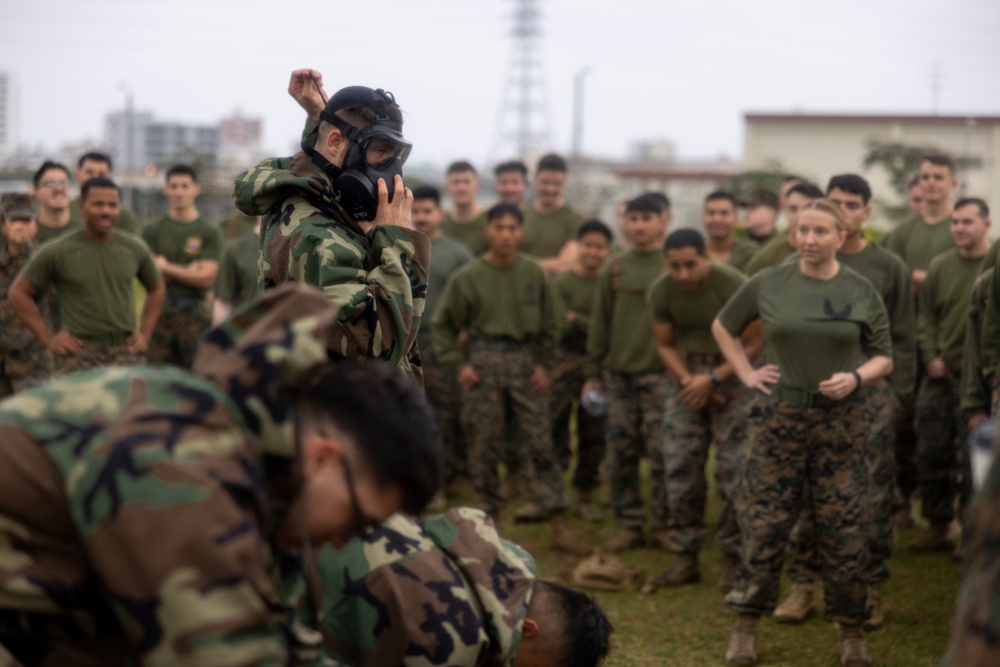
(977, 381)
(691, 313)
(944, 307)
(237, 279)
(545, 235)
(447, 257)
(93, 281)
(620, 339)
(742, 252)
(892, 281)
(917, 243)
(46, 234)
(513, 302)
(470, 233)
(772, 254)
(992, 256)
(574, 294)
(182, 243)
(812, 328)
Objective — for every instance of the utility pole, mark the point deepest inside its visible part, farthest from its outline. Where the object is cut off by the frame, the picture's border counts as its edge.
(522, 120)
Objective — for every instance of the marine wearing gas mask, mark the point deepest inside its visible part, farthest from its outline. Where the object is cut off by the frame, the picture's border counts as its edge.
(377, 151)
(325, 223)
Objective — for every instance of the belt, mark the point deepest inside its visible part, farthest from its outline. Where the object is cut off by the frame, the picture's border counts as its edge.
(804, 398)
(499, 344)
(704, 358)
(110, 340)
(184, 303)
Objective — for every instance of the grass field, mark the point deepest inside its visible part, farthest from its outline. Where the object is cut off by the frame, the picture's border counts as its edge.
(689, 626)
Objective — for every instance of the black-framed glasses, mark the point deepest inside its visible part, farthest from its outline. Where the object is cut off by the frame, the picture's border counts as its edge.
(362, 526)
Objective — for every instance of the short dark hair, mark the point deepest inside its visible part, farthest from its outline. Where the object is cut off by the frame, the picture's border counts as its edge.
(763, 197)
(583, 637)
(850, 183)
(427, 192)
(97, 182)
(685, 238)
(660, 197)
(644, 204)
(502, 209)
(510, 166)
(716, 195)
(941, 160)
(551, 162)
(94, 157)
(984, 209)
(182, 170)
(913, 182)
(387, 418)
(806, 189)
(36, 180)
(461, 167)
(595, 225)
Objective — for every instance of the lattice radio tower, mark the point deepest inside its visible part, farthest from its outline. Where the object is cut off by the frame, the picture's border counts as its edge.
(523, 122)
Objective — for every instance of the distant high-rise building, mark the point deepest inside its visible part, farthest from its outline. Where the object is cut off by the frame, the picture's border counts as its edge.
(9, 108)
(156, 142)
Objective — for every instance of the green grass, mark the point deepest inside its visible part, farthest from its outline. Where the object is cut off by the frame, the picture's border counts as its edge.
(689, 626)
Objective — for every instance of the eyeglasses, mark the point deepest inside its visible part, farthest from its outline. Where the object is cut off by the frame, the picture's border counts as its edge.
(54, 185)
(362, 526)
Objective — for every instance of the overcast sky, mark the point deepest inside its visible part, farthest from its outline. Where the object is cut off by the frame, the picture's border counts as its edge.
(683, 71)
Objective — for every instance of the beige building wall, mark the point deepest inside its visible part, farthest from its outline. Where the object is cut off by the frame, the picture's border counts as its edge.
(819, 146)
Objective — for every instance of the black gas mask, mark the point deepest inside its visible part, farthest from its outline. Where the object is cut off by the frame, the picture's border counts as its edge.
(378, 151)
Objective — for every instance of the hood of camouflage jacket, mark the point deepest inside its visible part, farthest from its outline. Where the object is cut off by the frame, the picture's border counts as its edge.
(501, 573)
(260, 358)
(447, 590)
(259, 189)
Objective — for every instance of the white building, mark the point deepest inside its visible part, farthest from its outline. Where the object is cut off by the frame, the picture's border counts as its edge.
(817, 146)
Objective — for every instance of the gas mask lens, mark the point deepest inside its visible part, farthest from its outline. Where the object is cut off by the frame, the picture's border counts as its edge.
(381, 151)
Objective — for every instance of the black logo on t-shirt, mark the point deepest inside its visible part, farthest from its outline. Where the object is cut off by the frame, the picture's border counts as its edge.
(830, 312)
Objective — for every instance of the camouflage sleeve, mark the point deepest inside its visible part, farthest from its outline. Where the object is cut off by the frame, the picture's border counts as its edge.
(379, 312)
(975, 631)
(167, 506)
(377, 283)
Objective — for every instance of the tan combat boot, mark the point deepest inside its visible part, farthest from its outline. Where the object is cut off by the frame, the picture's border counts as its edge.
(853, 650)
(625, 539)
(798, 606)
(933, 540)
(742, 649)
(660, 538)
(683, 571)
(564, 539)
(877, 618)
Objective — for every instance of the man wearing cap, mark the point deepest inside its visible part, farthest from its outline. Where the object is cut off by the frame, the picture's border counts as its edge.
(336, 216)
